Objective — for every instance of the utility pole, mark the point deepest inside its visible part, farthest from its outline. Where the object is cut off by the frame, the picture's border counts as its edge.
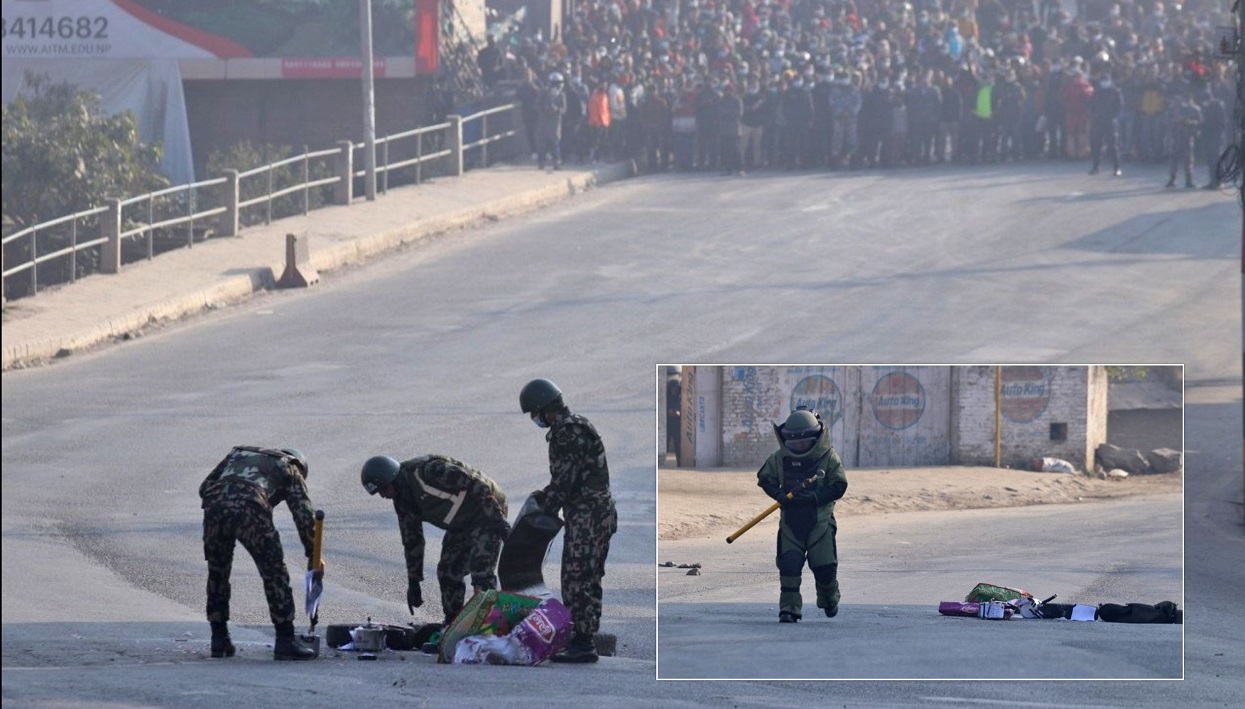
(369, 99)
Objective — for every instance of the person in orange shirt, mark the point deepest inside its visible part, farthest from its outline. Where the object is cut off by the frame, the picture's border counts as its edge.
(598, 121)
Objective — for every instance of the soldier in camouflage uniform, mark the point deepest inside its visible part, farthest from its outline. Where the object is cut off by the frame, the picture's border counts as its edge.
(453, 496)
(807, 468)
(580, 486)
(238, 497)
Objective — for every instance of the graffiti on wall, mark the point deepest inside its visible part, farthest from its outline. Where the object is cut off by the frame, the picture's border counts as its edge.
(751, 397)
(897, 400)
(1025, 393)
(819, 393)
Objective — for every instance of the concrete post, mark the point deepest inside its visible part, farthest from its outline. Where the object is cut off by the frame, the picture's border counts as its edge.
(229, 220)
(343, 191)
(110, 228)
(456, 145)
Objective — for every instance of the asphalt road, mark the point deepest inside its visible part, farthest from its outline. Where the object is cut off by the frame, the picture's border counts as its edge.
(426, 352)
(895, 569)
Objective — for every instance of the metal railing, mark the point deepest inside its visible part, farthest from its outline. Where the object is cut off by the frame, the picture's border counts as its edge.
(140, 220)
(147, 228)
(31, 233)
(428, 136)
(271, 192)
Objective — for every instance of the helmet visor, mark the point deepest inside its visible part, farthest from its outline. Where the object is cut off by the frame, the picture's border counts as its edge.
(801, 442)
(800, 446)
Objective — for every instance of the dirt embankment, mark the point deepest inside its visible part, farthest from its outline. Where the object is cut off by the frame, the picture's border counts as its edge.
(696, 503)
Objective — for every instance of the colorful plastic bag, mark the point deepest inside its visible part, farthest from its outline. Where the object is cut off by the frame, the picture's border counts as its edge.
(485, 613)
(545, 631)
(983, 592)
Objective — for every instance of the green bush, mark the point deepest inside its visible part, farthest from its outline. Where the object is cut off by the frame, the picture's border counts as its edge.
(62, 154)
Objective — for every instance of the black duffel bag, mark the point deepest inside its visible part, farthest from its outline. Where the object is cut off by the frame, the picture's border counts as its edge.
(1161, 612)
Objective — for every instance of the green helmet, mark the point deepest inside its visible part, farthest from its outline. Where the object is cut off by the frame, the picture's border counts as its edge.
(294, 455)
(539, 395)
(801, 431)
(379, 471)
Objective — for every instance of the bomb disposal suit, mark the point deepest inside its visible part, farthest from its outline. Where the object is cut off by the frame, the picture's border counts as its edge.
(806, 466)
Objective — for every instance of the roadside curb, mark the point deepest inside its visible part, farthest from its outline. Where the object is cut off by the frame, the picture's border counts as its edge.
(238, 287)
(362, 249)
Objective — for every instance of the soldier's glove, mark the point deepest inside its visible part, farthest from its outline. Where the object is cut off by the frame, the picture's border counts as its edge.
(414, 597)
(803, 498)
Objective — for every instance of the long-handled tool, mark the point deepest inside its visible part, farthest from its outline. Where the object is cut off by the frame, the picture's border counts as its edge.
(315, 574)
(773, 507)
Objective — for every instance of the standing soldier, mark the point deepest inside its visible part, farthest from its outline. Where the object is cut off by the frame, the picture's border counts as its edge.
(238, 497)
(806, 466)
(449, 495)
(1185, 120)
(1104, 132)
(580, 486)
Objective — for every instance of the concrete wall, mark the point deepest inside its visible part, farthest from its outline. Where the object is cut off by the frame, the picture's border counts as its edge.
(1146, 429)
(661, 416)
(896, 416)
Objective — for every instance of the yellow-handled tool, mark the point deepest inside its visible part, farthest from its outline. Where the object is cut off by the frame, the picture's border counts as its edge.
(773, 507)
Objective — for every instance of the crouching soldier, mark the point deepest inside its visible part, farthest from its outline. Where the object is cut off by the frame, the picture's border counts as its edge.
(453, 496)
(806, 466)
(238, 497)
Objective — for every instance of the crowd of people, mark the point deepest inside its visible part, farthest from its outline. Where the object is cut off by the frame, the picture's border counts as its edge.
(735, 85)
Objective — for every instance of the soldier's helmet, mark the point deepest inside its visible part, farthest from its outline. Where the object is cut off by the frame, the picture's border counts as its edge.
(801, 431)
(296, 456)
(539, 395)
(379, 471)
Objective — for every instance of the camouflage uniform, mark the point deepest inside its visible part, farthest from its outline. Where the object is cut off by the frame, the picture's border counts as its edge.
(806, 533)
(580, 486)
(238, 497)
(471, 508)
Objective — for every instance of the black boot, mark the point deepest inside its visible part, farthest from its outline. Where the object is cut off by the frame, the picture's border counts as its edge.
(289, 647)
(788, 617)
(222, 646)
(581, 649)
(832, 611)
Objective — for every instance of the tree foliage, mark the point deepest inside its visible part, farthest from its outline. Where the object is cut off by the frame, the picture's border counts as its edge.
(62, 154)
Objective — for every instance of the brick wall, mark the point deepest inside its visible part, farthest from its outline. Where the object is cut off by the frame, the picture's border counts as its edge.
(297, 112)
(1034, 400)
(751, 402)
(955, 422)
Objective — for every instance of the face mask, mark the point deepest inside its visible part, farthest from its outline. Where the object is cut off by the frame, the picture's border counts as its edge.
(540, 421)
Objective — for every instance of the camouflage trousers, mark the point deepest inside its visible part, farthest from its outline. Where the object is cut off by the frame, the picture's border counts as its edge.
(226, 522)
(471, 552)
(584, 548)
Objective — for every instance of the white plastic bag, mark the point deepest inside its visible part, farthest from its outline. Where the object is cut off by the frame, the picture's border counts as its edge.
(490, 650)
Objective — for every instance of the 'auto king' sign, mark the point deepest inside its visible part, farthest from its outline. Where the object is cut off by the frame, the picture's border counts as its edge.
(819, 393)
(898, 400)
(1025, 393)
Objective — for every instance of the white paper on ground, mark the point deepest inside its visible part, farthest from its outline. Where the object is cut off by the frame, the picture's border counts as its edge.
(1082, 612)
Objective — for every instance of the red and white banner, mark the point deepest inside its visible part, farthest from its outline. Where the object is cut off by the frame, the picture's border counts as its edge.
(103, 29)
